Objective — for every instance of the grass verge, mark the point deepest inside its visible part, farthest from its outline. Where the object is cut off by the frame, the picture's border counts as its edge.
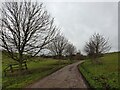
(104, 75)
(36, 70)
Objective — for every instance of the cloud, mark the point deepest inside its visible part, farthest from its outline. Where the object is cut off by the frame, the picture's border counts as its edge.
(79, 20)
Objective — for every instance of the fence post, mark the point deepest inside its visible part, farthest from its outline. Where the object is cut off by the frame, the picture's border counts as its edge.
(11, 69)
(5, 73)
(26, 66)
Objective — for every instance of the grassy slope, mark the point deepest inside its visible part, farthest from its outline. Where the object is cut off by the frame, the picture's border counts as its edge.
(37, 70)
(105, 74)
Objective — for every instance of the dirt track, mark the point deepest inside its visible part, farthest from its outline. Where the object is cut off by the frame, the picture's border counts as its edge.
(67, 77)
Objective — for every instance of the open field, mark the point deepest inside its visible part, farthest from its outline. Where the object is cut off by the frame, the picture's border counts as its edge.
(102, 75)
(36, 70)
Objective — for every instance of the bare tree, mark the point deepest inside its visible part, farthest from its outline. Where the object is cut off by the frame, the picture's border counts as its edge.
(78, 55)
(70, 50)
(96, 46)
(58, 45)
(26, 28)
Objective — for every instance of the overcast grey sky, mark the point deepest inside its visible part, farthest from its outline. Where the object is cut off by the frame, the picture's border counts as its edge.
(79, 20)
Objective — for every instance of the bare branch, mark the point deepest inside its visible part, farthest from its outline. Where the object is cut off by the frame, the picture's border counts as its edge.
(96, 46)
(26, 28)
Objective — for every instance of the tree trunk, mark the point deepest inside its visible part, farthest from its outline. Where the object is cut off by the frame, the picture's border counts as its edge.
(60, 56)
(20, 68)
(20, 63)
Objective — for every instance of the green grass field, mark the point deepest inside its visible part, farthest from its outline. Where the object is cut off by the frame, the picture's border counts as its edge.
(104, 74)
(36, 70)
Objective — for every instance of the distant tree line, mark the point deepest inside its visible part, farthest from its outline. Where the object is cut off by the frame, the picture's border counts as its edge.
(60, 47)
